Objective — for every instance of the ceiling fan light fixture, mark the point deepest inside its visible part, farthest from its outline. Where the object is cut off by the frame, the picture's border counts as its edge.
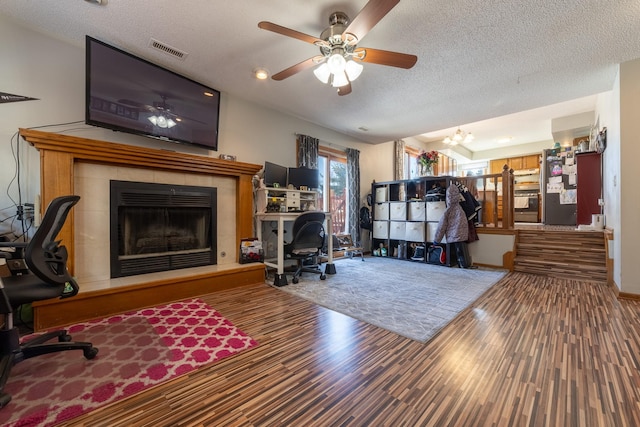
(170, 123)
(469, 138)
(353, 69)
(154, 120)
(336, 63)
(322, 73)
(162, 121)
(339, 79)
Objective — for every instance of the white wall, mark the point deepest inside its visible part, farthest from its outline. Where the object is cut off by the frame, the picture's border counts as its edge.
(41, 67)
(626, 177)
(608, 115)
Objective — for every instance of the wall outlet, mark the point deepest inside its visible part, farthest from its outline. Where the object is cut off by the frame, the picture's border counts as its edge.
(600, 202)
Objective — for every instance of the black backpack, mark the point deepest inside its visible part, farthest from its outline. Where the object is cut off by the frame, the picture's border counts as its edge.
(365, 218)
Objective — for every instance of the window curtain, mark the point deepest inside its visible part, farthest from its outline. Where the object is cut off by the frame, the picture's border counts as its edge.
(399, 160)
(353, 192)
(307, 151)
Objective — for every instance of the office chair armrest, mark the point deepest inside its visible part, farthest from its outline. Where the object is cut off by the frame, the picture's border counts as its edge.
(13, 244)
(17, 254)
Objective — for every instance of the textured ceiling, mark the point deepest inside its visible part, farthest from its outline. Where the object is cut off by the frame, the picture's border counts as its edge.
(477, 60)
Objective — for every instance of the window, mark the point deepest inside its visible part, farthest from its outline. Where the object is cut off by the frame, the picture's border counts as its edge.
(332, 194)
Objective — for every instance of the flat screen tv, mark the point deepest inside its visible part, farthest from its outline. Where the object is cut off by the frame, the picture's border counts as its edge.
(303, 177)
(129, 94)
(274, 174)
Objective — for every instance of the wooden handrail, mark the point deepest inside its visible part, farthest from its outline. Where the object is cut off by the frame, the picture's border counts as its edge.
(487, 195)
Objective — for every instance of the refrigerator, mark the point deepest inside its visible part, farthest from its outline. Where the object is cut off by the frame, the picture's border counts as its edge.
(559, 189)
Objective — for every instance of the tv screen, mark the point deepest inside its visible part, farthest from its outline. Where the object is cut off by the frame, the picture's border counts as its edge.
(274, 174)
(303, 177)
(129, 94)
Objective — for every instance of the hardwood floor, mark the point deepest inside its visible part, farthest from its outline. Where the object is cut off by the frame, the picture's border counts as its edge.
(532, 351)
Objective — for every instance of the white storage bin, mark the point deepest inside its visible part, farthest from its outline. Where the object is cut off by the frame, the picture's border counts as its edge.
(381, 194)
(432, 227)
(435, 210)
(381, 211)
(414, 231)
(398, 211)
(417, 211)
(397, 230)
(380, 229)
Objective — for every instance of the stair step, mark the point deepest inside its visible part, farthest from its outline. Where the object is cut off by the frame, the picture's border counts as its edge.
(582, 265)
(566, 256)
(562, 254)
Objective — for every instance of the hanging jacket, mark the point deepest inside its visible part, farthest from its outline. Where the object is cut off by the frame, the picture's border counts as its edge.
(454, 224)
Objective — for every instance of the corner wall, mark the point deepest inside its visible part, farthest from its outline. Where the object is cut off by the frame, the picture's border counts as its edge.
(625, 179)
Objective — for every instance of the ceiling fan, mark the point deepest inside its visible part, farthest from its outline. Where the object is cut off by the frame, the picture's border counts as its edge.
(339, 62)
(162, 113)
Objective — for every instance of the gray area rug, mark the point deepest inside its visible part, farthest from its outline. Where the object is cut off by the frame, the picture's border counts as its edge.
(411, 299)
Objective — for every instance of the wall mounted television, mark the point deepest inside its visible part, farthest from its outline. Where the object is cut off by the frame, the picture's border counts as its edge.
(129, 94)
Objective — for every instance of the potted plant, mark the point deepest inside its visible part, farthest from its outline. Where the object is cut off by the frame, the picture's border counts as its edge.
(426, 160)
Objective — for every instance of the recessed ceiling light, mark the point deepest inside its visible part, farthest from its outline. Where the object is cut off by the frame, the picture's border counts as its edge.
(363, 129)
(99, 2)
(261, 73)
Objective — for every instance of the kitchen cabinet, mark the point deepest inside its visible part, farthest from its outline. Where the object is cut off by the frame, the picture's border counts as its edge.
(531, 161)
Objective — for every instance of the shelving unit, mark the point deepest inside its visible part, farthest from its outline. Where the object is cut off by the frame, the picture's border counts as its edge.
(272, 199)
(404, 217)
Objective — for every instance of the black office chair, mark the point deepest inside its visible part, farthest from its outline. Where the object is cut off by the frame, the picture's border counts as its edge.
(47, 277)
(306, 246)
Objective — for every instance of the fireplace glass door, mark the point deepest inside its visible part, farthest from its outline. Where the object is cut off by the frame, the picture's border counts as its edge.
(159, 227)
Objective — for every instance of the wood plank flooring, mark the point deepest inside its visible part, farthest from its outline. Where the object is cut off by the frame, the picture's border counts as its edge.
(532, 351)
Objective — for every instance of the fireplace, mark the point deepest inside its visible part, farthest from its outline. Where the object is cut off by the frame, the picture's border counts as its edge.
(160, 227)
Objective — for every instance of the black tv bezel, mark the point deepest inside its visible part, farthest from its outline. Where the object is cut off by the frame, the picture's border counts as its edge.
(107, 125)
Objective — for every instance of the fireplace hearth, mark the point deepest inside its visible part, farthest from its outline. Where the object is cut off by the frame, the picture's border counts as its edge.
(160, 227)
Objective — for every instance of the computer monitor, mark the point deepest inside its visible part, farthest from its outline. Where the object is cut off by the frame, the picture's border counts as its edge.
(274, 174)
(304, 177)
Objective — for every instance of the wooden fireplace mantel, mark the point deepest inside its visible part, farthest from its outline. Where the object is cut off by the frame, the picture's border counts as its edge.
(59, 153)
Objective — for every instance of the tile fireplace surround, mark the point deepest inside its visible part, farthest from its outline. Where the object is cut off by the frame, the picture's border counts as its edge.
(73, 165)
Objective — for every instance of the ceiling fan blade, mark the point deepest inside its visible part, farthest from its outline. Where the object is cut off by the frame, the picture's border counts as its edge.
(136, 104)
(270, 26)
(385, 57)
(368, 17)
(294, 69)
(344, 90)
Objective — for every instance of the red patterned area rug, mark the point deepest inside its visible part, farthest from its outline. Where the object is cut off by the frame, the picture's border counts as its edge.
(137, 350)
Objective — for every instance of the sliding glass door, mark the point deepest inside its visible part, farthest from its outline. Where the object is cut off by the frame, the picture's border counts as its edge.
(333, 189)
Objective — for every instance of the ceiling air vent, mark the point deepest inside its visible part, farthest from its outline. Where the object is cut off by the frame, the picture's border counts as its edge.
(177, 53)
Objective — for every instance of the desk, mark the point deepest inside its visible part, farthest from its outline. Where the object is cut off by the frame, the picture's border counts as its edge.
(280, 218)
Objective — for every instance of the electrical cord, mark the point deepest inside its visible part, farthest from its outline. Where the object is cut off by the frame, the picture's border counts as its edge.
(26, 223)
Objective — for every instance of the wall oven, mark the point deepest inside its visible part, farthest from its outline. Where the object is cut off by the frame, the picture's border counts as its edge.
(526, 202)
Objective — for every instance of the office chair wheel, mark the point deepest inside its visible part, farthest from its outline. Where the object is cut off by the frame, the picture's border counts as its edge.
(90, 353)
(323, 276)
(4, 399)
(64, 338)
(295, 280)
